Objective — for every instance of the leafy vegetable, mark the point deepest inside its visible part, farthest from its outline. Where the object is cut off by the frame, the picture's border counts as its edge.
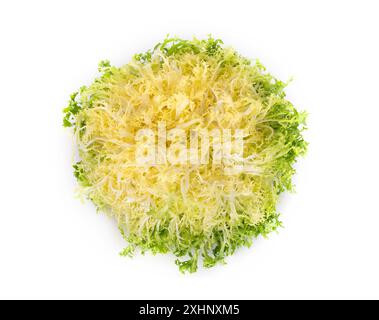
(197, 212)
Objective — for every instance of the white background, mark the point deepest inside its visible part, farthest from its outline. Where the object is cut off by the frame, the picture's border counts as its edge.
(53, 246)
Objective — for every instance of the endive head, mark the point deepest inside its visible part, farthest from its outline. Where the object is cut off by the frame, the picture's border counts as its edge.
(188, 146)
